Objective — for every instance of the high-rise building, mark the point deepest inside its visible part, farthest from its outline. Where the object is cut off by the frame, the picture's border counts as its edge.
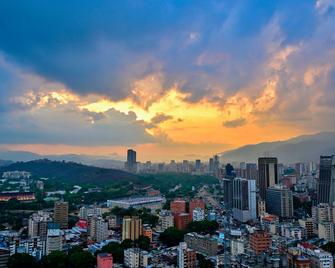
(279, 201)
(196, 203)
(186, 257)
(54, 238)
(228, 185)
(181, 220)
(211, 165)
(37, 224)
(244, 199)
(131, 227)
(197, 165)
(104, 260)
(260, 241)
(267, 174)
(326, 182)
(135, 258)
(251, 171)
(61, 214)
(322, 213)
(166, 220)
(131, 164)
(98, 229)
(178, 206)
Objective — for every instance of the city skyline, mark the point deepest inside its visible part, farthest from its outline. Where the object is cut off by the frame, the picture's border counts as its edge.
(172, 80)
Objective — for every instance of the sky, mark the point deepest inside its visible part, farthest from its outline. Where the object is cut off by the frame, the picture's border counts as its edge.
(179, 79)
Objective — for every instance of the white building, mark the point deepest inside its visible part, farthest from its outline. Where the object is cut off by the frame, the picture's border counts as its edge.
(98, 229)
(237, 246)
(54, 240)
(93, 211)
(166, 220)
(198, 214)
(151, 202)
(38, 224)
(135, 258)
(35, 247)
(244, 199)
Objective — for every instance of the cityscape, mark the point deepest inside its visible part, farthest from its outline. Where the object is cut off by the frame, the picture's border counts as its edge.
(167, 134)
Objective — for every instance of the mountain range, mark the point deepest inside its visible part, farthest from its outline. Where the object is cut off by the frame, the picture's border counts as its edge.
(299, 149)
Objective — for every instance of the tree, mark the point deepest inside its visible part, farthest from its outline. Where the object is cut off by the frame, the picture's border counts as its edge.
(205, 227)
(20, 260)
(56, 259)
(127, 243)
(203, 262)
(81, 259)
(143, 242)
(172, 236)
(116, 250)
(330, 247)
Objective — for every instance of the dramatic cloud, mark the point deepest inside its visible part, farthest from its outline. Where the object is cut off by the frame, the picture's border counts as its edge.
(138, 72)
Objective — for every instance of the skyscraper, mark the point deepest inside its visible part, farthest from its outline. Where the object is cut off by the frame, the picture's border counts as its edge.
(267, 174)
(131, 164)
(244, 199)
(197, 165)
(61, 214)
(326, 183)
(251, 171)
(279, 201)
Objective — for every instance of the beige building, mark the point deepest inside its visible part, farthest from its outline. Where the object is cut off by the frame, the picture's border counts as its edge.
(131, 227)
(61, 214)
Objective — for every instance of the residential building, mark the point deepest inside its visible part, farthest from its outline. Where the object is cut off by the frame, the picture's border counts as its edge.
(178, 206)
(198, 214)
(89, 211)
(131, 228)
(181, 221)
(4, 256)
(201, 243)
(98, 229)
(260, 241)
(37, 224)
(186, 257)
(104, 260)
(166, 220)
(196, 203)
(135, 258)
(54, 240)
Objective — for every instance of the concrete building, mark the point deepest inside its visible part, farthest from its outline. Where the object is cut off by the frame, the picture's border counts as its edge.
(267, 174)
(260, 241)
(181, 221)
(196, 203)
(251, 171)
(322, 213)
(326, 182)
(202, 244)
(98, 229)
(35, 247)
(237, 246)
(178, 206)
(4, 256)
(166, 220)
(89, 211)
(186, 257)
(198, 214)
(135, 258)
(61, 214)
(326, 230)
(37, 224)
(279, 201)
(54, 240)
(131, 164)
(131, 228)
(244, 199)
(104, 260)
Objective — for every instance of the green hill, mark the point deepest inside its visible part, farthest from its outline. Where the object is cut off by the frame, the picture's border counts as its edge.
(70, 172)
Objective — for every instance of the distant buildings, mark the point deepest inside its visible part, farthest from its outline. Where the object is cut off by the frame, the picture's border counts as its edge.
(131, 164)
(279, 201)
(244, 199)
(186, 257)
(61, 214)
(131, 228)
(267, 174)
(20, 196)
(326, 183)
(104, 260)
